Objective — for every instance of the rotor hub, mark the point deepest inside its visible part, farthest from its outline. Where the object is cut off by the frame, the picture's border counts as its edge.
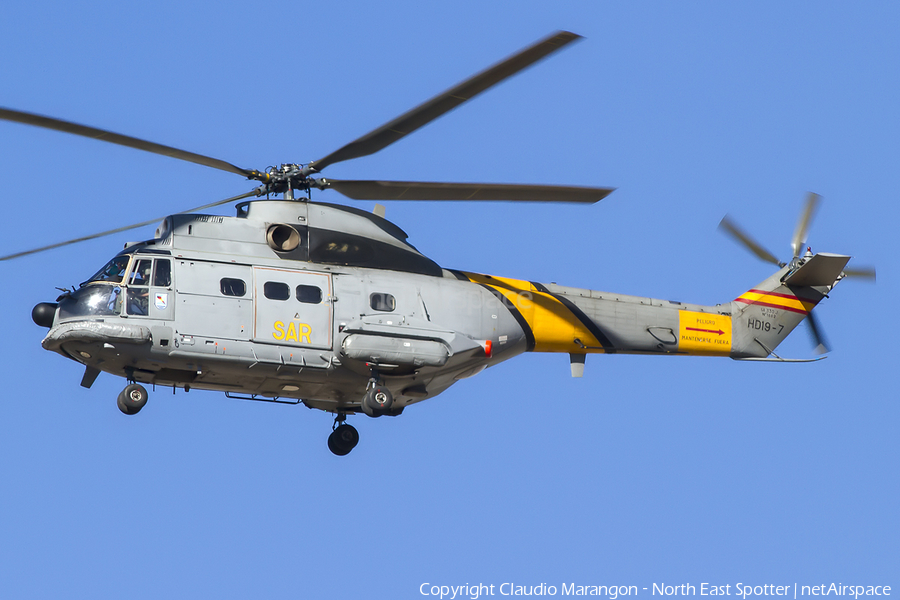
(283, 179)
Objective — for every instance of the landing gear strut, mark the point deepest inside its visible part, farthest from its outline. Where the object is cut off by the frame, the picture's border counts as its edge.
(343, 437)
(132, 399)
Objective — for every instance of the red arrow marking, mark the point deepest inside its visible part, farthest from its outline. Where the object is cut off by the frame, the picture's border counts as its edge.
(719, 331)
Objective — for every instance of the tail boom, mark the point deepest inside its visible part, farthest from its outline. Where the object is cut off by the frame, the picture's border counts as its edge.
(554, 318)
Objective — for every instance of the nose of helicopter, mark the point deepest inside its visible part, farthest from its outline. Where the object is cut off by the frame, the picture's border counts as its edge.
(43, 314)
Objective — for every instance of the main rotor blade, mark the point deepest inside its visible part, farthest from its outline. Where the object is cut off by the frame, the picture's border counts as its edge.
(799, 239)
(18, 116)
(861, 273)
(816, 332)
(729, 227)
(426, 190)
(120, 229)
(423, 114)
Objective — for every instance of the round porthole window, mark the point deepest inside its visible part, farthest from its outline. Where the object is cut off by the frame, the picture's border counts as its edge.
(282, 238)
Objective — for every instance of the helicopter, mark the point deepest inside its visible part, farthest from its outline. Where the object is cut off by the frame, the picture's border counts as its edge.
(296, 301)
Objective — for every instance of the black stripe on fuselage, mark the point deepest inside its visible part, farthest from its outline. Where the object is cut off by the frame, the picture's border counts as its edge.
(591, 326)
(526, 328)
(459, 275)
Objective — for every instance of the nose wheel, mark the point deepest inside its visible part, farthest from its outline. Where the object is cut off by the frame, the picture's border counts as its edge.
(132, 399)
(343, 437)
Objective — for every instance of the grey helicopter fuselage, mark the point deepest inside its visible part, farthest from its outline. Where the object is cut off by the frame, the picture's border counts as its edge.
(315, 302)
(287, 300)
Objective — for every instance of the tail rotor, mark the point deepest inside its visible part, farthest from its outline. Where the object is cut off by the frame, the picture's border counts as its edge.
(798, 242)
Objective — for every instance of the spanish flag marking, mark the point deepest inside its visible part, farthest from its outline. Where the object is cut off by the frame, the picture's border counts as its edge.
(775, 300)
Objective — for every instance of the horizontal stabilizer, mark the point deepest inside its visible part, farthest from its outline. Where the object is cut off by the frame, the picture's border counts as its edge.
(784, 360)
(820, 270)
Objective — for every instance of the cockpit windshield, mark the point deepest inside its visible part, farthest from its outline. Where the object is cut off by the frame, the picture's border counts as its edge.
(112, 272)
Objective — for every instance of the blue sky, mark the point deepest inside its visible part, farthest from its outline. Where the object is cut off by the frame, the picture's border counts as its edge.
(647, 470)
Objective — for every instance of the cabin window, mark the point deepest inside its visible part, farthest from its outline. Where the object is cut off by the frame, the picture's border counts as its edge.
(162, 275)
(275, 290)
(309, 294)
(382, 301)
(232, 287)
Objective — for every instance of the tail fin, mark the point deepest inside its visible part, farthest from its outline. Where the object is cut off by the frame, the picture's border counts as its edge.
(763, 316)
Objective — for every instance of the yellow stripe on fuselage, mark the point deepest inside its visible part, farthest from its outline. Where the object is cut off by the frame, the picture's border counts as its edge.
(555, 327)
(775, 300)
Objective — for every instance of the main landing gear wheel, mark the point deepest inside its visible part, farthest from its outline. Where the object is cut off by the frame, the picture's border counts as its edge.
(377, 401)
(344, 437)
(132, 399)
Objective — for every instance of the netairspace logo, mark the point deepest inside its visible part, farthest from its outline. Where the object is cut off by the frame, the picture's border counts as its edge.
(612, 592)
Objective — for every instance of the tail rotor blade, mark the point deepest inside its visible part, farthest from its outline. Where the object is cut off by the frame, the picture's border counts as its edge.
(731, 228)
(861, 273)
(821, 346)
(799, 239)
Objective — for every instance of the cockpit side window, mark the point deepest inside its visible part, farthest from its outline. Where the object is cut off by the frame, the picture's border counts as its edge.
(140, 273)
(139, 281)
(138, 302)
